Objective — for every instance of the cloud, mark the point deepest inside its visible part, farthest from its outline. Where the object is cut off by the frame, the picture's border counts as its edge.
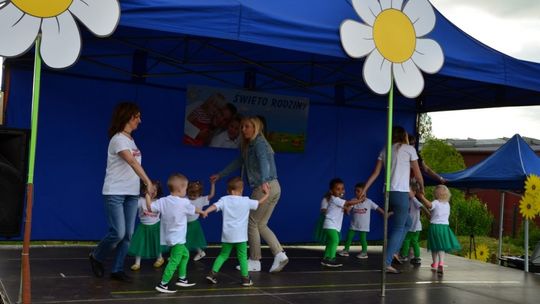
(502, 8)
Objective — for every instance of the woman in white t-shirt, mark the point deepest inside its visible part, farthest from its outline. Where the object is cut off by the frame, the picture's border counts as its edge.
(404, 158)
(121, 190)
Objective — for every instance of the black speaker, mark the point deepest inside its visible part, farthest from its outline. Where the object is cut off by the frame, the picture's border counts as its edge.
(13, 172)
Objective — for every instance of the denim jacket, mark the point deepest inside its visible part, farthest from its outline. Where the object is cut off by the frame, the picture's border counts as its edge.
(258, 163)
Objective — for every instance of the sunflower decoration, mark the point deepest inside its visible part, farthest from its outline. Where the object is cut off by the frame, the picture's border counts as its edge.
(21, 21)
(528, 206)
(392, 38)
(482, 253)
(532, 184)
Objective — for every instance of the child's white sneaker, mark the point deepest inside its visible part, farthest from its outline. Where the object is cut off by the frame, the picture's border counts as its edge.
(343, 253)
(253, 265)
(201, 254)
(280, 260)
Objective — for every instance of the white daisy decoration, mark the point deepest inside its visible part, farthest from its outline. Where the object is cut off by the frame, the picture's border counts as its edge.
(391, 40)
(22, 20)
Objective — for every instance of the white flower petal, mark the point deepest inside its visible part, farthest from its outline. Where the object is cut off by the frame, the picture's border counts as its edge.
(409, 79)
(18, 31)
(422, 16)
(99, 16)
(376, 73)
(428, 55)
(356, 38)
(368, 10)
(386, 4)
(61, 43)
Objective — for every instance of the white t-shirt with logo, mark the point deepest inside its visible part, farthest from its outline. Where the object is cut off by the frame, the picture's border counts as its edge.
(414, 212)
(174, 211)
(402, 155)
(440, 212)
(199, 203)
(235, 210)
(334, 213)
(146, 217)
(120, 178)
(361, 215)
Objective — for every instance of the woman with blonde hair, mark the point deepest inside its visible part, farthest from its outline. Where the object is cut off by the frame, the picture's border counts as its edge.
(257, 162)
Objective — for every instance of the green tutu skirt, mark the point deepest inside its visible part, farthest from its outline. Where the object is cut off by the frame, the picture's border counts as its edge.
(195, 236)
(441, 238)
(145, 242)
(319, 235)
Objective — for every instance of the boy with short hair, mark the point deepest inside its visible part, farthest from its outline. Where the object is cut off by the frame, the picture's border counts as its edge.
(235, 208)
(174, 210)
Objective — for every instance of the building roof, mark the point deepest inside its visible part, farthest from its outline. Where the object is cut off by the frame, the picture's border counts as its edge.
(488, 145)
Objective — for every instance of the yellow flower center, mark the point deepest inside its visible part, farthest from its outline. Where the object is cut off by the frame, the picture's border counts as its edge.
(43, 8)
(394, 35)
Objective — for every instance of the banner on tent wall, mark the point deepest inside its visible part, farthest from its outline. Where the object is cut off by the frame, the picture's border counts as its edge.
(213, 117)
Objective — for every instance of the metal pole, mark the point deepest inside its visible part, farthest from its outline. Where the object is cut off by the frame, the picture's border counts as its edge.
(387, 184)
(501, 226)
(526, 245)
(25, 292)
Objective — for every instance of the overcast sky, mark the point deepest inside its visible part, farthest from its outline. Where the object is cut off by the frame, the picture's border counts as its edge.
(512, 27)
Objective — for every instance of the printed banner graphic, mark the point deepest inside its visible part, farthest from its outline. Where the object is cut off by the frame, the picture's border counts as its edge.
(213, 117)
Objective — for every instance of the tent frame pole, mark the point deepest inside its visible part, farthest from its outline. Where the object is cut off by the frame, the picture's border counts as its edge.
(501, 226)
(526, 261)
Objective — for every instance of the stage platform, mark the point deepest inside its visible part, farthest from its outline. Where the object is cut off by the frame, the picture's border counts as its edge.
(63, 275)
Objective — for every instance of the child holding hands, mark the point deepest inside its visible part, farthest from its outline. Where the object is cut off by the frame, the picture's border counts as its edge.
(360, 222)
(441, 239)
(235, 208)
(334, 219)
(174, 210)
(195, 240)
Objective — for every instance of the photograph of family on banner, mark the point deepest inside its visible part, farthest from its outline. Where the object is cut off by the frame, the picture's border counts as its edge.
(214, 115)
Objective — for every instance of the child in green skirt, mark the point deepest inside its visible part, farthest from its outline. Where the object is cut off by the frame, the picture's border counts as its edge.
(145, 240)
(441, 239)
(236, 209)
(412, 238)
(195, 240)
(319, 234)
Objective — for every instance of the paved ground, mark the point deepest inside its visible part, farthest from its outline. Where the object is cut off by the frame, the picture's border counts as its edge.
(62, 275)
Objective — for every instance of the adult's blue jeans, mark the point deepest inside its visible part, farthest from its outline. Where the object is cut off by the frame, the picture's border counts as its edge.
(121, 211)
(400, 222)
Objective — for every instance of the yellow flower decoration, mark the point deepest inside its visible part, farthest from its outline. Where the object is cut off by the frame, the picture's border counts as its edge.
(532, 184)
(22, 20)
(482, 253)
(528, 206)
(391, 38)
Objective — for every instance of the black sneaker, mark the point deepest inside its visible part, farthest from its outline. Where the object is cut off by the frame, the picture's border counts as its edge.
(212, 277)
(97, 266)
(121, 276)
(184, 283)
(416, 261)
(164, 288)
(330, 263)
(246, 282)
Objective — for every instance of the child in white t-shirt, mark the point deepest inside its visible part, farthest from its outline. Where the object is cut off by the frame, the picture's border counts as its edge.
(174, 210)
(195, 240)
(441, 238)
(412, 237)
(360, 222)
(333, 221)
(235, 208)
(145, 241)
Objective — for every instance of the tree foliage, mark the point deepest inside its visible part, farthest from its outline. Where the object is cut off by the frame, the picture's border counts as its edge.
(424, 127)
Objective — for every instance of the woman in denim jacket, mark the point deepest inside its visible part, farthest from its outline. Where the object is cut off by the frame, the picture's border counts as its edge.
(257, 159)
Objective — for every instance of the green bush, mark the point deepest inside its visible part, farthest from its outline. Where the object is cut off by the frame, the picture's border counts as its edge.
(534, 236)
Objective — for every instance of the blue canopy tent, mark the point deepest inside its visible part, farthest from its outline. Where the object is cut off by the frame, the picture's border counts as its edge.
(506, 169)
(281, 47)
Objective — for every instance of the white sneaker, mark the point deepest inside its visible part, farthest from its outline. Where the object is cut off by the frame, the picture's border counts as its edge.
(201, 254)
(280, 260)
(253, 265)
(343, 253)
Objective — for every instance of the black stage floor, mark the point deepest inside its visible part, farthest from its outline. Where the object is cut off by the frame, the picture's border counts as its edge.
(62, 275)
